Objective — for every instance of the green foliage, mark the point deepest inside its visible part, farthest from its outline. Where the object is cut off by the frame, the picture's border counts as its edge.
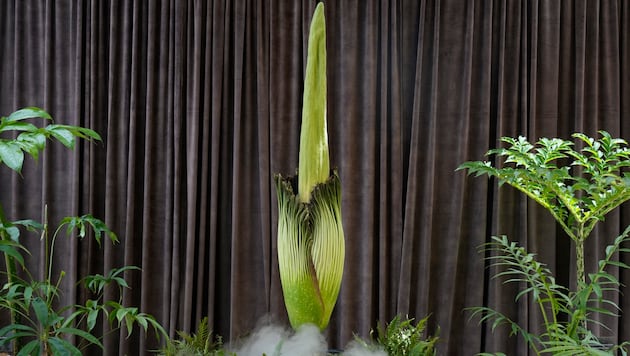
(202, 343)
(578, 187)
(38, 325)
(31, 139)
(45, 326)
(401, 337)
(555, 300)
(578, 193)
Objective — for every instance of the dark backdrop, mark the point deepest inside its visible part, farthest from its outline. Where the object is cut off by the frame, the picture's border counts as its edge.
(199, 103)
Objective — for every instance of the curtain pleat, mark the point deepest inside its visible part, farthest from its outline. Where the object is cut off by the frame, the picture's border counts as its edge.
(199, 104)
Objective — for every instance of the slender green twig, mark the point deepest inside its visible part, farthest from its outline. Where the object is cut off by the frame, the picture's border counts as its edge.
(11, 267)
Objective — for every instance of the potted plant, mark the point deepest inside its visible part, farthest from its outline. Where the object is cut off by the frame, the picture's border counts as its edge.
(578, 183)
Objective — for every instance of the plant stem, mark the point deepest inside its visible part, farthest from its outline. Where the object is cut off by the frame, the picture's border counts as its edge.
(579, 257)
(579, 260)
(11, 271)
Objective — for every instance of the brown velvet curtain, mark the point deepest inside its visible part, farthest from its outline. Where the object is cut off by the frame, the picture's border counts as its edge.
(199, 103)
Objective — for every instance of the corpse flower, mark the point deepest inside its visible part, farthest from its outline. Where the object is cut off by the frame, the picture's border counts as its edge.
(311, 244)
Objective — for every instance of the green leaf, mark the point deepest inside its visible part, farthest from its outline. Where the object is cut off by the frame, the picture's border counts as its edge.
(120, 313)
(18, 126)
(597, 289)
(618, 264)
(11, 154)
(95, 283)
(10, 248)
(28, 294)
(62, 347)
(82, 222)
(83, 132)
(62, 134)
(30, 225)
(121, 282)
(13, 328)
(32, 143)
(68, 321)
(31, 348)
(118, 271)
(129, 323)
(27, 113)
(92, 318)
(99, 228)
(82, 334)
(142, 322)
(12, 231)
(41, 311)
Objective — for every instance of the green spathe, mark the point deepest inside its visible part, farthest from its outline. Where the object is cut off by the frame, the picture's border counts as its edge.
(311, 251)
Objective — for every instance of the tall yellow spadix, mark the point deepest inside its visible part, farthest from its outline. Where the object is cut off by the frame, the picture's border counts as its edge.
(311, 246)
(314, 164)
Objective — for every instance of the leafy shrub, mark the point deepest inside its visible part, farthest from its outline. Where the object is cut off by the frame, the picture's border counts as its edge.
(38, 325)
(578, 186)
(202, 343)
(401, 337)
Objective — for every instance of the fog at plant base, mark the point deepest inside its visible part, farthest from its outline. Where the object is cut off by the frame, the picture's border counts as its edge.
(275, 340)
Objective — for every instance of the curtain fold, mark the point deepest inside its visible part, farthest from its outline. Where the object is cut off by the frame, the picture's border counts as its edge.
(199, 104)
